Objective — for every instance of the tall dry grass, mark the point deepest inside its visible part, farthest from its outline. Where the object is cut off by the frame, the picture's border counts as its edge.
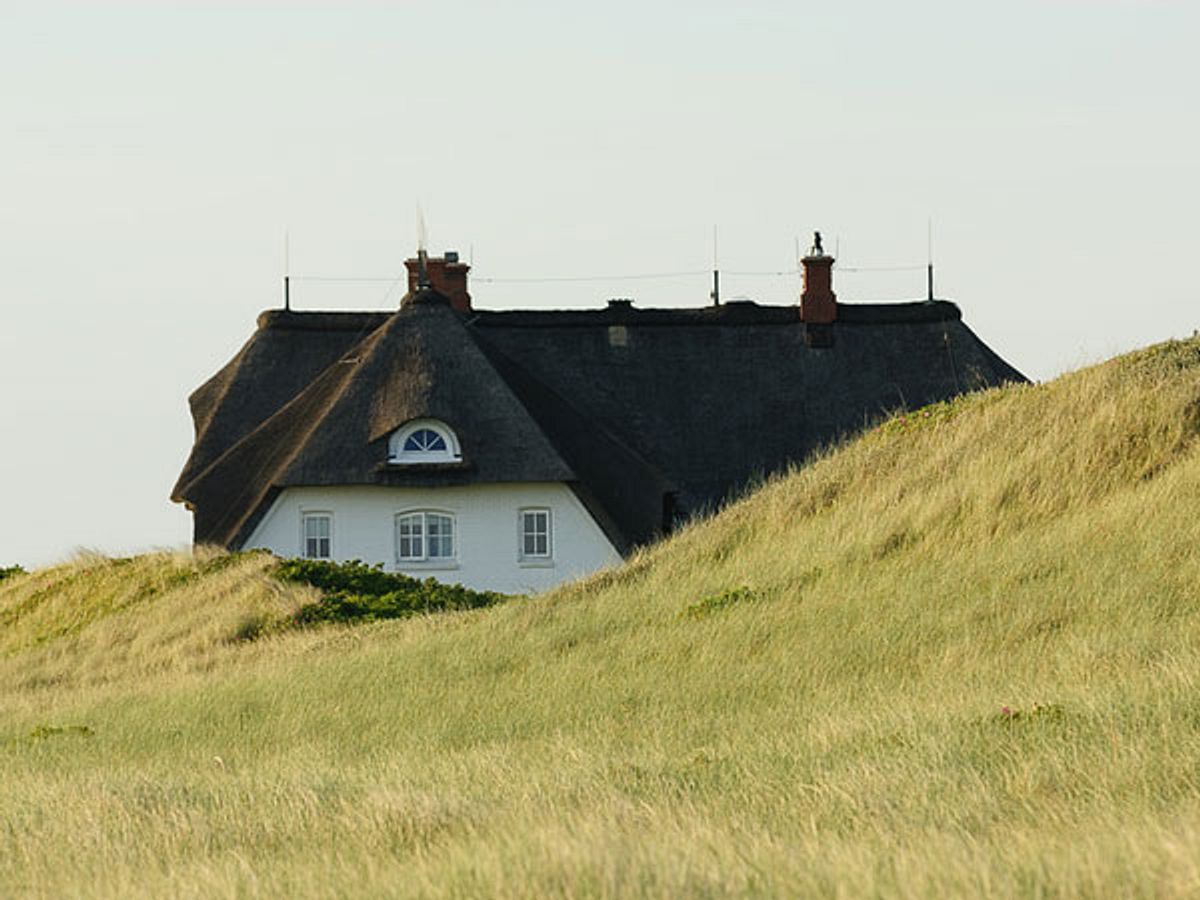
(956, 657)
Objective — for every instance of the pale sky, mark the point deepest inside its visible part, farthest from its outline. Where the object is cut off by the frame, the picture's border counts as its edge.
(153, 155)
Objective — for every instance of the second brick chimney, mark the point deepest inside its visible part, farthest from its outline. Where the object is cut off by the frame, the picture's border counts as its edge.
(818, 302)
(445, 274)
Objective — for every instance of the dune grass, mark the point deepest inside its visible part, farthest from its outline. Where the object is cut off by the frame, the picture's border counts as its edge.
(955, 657)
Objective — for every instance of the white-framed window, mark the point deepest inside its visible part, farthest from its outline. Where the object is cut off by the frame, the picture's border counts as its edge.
(425, 536)
(535, 543)
(423, 441)
(316, 535)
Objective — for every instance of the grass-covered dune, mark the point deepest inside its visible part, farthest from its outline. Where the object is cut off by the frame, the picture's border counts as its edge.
(958, 656)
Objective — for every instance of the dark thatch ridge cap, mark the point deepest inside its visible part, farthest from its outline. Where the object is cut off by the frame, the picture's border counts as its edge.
(291, 320)
(898, 313)
(737, 312)
(342, 320)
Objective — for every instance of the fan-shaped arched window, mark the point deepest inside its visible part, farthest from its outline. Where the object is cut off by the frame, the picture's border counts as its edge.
(423, 441)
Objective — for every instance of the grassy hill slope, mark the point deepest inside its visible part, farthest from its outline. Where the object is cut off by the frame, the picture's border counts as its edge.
(958, 656)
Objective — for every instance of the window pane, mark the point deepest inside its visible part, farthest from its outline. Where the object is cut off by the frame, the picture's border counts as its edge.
(535, 533)
(441, 536)
(424, 440)
(317, 532)
(424, 535)
(410, 530)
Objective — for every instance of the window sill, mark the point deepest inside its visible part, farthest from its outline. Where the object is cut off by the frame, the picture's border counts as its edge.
(396, 465)
(404, 565)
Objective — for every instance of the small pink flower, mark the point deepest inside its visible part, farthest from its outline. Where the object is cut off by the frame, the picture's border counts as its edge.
(1006, 711)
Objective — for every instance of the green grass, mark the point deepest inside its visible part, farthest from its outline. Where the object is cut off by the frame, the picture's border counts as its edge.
(956, 657)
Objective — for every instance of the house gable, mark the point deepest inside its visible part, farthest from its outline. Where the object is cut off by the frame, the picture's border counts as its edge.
(420, 363)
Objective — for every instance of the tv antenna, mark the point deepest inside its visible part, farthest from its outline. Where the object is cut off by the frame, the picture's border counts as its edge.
(287, 287)
(929, 257)
(715, 295)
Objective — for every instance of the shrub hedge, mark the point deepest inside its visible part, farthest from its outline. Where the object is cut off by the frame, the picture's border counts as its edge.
(355, 591)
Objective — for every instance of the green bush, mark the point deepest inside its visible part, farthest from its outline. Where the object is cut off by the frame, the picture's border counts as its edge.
(9, 571)
(355, 591)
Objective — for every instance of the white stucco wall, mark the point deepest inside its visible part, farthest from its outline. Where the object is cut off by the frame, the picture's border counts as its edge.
(486, 531)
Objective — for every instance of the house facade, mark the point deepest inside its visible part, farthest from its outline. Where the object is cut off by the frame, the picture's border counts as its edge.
(513, 450)
(518, 537)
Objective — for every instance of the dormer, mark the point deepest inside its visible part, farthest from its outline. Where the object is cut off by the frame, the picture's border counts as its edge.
(423, 441)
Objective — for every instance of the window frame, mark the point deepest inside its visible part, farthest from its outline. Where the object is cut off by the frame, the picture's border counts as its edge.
(398, 456)
(425, 560)
(535, 559)
(307, 515)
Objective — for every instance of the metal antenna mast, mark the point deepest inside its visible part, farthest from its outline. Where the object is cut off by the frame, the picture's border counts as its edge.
(929, 257)
(716, 288)
(287, 287)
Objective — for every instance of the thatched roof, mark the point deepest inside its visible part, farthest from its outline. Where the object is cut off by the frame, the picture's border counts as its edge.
(640, 411)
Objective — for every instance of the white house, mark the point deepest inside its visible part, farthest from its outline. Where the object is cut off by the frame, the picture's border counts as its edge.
(512, 450)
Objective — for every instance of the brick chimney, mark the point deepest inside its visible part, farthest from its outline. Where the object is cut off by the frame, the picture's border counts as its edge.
(445, 274)
(818, 302)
